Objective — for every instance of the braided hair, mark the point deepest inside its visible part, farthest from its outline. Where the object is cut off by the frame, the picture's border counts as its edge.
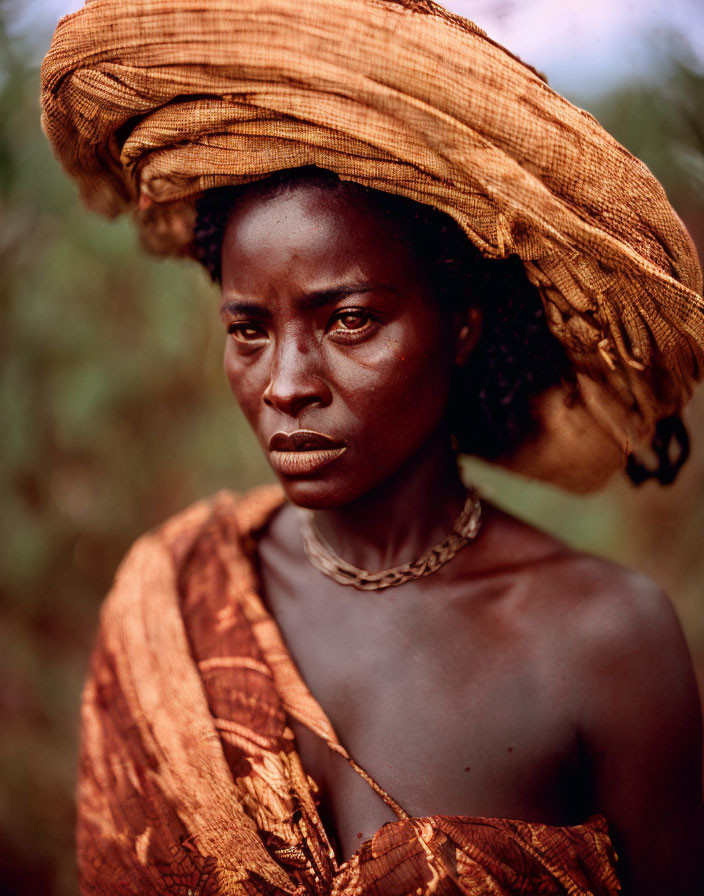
(516, 356)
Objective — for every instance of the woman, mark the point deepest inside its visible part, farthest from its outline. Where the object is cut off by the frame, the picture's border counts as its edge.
(471, 715)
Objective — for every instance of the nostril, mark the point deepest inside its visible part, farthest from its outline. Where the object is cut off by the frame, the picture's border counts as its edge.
(292, 397)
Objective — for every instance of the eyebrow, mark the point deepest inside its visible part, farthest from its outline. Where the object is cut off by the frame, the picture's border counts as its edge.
(311, 300)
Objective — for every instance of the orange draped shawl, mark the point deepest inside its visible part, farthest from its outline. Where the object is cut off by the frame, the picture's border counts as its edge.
(189, 779)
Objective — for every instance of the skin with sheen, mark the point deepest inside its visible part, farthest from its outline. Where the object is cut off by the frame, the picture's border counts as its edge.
(522, 680)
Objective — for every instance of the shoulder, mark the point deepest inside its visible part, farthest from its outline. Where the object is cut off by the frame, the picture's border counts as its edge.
(616, 641)
(617, 623)
(175, 536)
(597, 596)
(149, 582)
(594, 617)
(240, 513)
(614, 634)
(630, 653)
(164, 550)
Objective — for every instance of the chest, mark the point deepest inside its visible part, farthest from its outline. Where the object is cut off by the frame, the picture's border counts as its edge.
(448, 717)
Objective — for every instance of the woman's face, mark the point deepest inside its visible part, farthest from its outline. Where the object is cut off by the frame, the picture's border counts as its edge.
(334, 334)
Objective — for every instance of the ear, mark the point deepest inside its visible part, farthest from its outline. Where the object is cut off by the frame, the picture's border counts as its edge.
(468, 328)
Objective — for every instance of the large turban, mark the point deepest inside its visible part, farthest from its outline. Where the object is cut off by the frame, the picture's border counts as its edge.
(150, 102)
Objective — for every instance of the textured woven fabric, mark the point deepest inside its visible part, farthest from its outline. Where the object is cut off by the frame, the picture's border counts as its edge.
(190, 781)
(149, 102)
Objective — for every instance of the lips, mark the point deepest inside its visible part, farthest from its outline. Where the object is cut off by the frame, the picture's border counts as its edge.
(302, 440)
(303, 451)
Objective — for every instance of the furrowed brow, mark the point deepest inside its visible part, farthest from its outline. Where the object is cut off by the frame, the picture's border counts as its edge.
(236, 307)
(308, 301)
(318, 298)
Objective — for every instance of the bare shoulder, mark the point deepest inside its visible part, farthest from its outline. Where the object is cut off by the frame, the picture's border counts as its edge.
(608, 627)
(597, 605)
(625, 645)
(638, 715)
(616, 620)
(612, 636)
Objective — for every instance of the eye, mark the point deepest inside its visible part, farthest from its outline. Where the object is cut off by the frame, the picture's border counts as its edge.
(246, 331)
(352, 322)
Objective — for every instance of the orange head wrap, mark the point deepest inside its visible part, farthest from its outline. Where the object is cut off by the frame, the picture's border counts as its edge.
(150, 102)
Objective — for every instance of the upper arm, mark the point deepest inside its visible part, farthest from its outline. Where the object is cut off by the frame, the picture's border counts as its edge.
(642, 730)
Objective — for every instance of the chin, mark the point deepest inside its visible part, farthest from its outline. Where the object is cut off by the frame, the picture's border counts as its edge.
(317, 493)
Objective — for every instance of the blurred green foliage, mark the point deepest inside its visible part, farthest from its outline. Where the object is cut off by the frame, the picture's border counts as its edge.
(115, 414)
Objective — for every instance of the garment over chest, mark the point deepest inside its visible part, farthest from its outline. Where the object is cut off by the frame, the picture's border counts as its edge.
(302, 711)
(190, 781)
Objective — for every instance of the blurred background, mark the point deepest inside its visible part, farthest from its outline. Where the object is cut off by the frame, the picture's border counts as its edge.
(115, 412)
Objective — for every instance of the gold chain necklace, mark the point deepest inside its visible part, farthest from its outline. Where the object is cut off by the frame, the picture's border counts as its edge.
(324, 558)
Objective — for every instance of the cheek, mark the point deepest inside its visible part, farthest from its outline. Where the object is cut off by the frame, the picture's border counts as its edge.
(245, 383)
(402, 383)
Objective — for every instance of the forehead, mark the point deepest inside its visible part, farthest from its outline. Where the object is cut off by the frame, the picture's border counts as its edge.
(308, 233)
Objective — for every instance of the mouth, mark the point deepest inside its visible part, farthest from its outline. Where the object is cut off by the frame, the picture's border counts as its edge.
(303, 451)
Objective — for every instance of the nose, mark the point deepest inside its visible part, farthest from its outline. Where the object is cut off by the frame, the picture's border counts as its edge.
(295, 381)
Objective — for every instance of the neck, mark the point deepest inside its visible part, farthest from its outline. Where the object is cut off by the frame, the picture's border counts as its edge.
(402, 518)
